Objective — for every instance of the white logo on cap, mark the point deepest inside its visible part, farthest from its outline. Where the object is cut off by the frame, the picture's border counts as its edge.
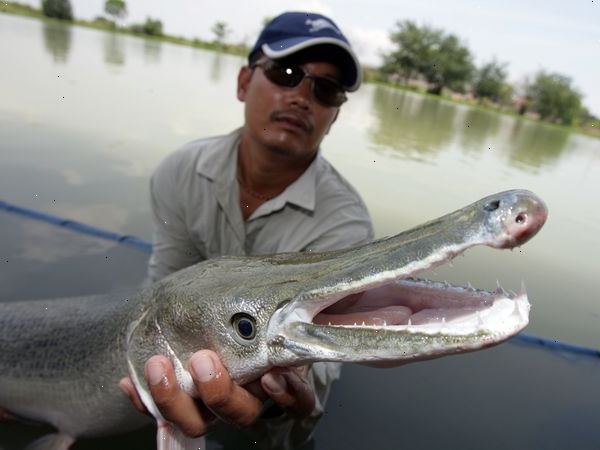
(319, 24)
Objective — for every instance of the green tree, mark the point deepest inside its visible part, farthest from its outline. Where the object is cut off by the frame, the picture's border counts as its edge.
(152, 27)
(58, 9)
(554, 99)
(221, 31)
(117, 9)
(490, 81)
(440, 58)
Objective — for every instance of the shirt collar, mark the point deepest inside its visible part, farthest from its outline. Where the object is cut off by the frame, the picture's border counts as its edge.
(218, 163)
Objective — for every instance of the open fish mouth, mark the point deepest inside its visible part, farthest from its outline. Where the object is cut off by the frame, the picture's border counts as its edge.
(374, 309)
(429, 307)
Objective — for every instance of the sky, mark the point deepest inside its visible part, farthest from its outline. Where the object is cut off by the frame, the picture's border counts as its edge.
(561, 36)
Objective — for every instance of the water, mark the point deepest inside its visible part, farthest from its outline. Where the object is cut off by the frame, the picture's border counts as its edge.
(85, 116)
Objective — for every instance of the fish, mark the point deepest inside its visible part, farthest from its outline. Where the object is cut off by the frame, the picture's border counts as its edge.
(61, 359)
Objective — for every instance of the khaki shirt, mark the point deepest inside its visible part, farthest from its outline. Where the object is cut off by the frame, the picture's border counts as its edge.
(197, 216)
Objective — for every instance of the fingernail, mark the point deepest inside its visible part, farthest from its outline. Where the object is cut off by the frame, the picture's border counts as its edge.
(274, 383)
(155, 372)
(203, 367)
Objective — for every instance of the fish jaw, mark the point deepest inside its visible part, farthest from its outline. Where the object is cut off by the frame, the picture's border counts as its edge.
(303, 331)
(375, 328)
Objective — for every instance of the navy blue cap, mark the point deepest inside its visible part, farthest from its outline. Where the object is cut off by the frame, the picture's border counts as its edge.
(292, 32)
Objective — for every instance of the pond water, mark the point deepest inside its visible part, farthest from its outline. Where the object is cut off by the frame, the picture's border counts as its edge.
(85, 116)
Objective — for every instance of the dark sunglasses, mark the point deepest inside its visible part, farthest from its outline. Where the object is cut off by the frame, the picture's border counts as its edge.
(327, 91)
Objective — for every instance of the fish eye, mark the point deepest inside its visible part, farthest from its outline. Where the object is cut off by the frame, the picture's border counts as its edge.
(244, 325)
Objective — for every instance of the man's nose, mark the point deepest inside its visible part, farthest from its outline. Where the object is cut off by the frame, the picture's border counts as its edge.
(302, 94)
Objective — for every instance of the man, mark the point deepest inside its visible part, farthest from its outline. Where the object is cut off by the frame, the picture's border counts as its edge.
(262, 189)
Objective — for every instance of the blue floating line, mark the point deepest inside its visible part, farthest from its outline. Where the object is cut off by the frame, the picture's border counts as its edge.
(131, 241)
(554, 344)
(146, 247)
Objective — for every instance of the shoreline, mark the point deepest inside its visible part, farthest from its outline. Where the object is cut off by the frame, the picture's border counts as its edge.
(242, 50)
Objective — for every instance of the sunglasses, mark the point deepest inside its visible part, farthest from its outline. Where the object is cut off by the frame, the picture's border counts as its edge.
(327, 91)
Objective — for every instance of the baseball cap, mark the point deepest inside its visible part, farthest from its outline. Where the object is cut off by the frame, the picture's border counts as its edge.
(292, 32)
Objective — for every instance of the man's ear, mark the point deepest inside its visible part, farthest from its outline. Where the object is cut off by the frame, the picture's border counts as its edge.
(243, 81)
(337, 113)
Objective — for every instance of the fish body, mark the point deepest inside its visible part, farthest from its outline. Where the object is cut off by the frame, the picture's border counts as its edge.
(61, 359)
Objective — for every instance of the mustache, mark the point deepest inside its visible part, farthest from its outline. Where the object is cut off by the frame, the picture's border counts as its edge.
(293, 116)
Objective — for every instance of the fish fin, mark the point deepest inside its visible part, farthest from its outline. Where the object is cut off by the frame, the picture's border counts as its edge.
(169, 437)
(55, 441)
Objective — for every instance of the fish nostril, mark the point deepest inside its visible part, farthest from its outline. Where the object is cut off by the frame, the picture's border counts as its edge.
(521, 218)
(492, 206)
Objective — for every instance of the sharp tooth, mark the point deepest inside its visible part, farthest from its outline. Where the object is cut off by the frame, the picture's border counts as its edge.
(523, 291)
(409, 322)
(384, 323)
(443, 320)
(480, 322)
(329, 323)
(363, 324)
(354, 323)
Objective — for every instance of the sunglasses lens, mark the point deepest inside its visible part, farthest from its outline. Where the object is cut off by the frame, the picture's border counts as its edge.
(328, 92)
(325, 90)
(283, 75)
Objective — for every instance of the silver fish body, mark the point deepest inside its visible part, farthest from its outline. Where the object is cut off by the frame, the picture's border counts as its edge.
(61, 359)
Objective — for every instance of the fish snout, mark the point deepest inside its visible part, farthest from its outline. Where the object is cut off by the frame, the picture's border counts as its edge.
(520, 213)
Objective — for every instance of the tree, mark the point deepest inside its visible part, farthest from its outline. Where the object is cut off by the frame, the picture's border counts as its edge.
(438, 57)
(151, 27)
(554, 99)
(490, 81)
(221, 31)
(57, 9)
(117, 9)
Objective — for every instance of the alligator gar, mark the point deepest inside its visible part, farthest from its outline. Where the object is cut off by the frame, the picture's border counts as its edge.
(61, 359)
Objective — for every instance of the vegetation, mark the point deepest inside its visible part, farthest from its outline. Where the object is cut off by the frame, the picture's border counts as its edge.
(554, 99)
(221, 31)
(425, 60)
(117, 9)
(438, 58)
(151, 27)
(57, 9)
(490, 82)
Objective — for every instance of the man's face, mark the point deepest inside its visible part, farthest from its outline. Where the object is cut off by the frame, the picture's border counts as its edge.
(287, 120)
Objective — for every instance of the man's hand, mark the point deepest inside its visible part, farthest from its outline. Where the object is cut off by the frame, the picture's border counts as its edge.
(219, 397)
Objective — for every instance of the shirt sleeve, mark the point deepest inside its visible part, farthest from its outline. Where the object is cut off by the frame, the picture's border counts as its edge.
(172, 247)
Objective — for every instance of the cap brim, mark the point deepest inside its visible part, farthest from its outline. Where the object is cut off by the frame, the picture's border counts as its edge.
(286, 47)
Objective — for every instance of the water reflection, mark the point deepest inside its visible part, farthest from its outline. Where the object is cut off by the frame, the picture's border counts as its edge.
(534, 145)
(216, 66)
(57, 41)
(416, 126)
(114, 49)
(152, 51)
(480, 127)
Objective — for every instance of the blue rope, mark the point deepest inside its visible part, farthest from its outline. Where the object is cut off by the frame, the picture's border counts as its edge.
(131, 241)
(554, 344)
(146, 247)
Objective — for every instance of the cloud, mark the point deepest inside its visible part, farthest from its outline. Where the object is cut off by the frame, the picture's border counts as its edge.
(369, 44)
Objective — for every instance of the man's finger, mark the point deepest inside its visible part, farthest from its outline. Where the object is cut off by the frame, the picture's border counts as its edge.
(220, 394)
(174, 404)
(290, 390)
(126, 385)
